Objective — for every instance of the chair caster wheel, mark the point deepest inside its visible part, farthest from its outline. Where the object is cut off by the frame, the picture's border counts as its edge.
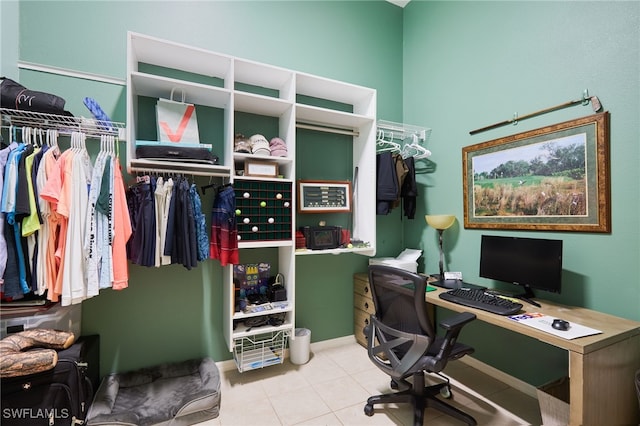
(445, 392)
(368, 410)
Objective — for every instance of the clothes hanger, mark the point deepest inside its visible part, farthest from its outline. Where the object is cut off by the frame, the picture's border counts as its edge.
(25, 132)
(40, 142)
(73, 143)
(53, 140)
(204, 188)
(415, 150)
(386, 145)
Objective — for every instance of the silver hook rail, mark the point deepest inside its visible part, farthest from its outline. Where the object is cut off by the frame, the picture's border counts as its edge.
(65, 125)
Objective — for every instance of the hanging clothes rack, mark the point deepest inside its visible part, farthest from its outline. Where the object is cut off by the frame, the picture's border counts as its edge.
(402, 131)
(65, 125)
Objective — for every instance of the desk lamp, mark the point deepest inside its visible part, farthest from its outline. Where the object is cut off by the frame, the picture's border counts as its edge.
(440, 222)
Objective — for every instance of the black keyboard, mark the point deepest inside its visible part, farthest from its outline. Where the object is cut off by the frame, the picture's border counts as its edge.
(480, 299)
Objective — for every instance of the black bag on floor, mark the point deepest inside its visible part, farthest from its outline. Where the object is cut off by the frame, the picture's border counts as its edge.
(60, 396)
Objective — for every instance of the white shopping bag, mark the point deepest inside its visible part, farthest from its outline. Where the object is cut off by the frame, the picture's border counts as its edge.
(177, 120)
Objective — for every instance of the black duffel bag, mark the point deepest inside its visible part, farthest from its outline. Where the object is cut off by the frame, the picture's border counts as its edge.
(14, 95)
(177, 153)
(58, 397)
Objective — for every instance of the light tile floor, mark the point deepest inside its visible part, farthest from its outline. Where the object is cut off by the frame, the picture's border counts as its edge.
(332, 389)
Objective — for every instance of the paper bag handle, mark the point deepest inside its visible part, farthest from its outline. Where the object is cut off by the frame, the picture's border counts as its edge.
(173, 91)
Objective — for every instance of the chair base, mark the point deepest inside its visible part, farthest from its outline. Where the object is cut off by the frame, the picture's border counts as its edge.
(420, 397)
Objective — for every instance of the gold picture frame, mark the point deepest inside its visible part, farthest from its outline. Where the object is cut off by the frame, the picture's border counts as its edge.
(324, 196)
(554, 178)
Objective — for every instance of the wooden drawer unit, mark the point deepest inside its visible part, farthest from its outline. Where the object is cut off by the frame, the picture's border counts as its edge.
(362, 306)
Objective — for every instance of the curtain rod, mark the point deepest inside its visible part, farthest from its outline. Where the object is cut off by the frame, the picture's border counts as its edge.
(595, 104)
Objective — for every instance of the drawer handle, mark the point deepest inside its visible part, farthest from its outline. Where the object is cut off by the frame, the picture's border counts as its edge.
(366, 289)
(366, 305)
(366, 321)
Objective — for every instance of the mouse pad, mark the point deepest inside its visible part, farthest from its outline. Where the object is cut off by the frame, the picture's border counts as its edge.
(543, 322)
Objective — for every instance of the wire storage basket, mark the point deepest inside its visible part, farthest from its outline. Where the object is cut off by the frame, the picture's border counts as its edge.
(261, 350)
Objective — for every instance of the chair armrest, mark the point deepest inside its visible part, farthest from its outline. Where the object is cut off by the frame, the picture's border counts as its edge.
(453, 325)
(457, 321)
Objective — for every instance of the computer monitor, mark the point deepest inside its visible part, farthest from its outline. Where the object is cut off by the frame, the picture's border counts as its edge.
(532, 263)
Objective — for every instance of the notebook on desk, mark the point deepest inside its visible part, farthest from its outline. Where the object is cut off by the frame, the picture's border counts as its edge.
(543, 322)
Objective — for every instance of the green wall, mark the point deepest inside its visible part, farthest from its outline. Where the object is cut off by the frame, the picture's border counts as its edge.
(170, 313)
(471, 64)
(450, 66)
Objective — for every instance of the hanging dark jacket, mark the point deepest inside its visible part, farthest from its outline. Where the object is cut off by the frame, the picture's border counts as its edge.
(386, 183)
(409, 191)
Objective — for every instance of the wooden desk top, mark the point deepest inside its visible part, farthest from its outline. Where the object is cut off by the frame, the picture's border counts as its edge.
(614, 329)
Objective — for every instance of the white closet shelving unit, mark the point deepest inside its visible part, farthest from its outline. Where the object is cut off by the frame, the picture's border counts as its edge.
(229, 85)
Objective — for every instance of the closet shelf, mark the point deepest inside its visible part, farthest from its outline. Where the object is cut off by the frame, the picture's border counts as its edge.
(65, 125)
(401, 131)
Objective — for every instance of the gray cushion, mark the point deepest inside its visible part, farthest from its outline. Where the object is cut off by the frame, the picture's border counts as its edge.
(177, 393)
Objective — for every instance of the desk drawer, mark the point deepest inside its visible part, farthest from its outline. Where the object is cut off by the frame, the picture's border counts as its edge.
(363, 303)
(360, 320)
(361, 286)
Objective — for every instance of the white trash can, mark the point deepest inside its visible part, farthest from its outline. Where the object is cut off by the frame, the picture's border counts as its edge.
(299, 346)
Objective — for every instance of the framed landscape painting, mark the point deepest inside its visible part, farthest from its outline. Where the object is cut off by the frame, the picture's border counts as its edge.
(555, 178)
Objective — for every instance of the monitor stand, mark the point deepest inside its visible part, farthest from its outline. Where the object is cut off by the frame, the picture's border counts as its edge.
(527, 296)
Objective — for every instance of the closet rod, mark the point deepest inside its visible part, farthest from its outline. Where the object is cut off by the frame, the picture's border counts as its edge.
(158, 166)
(159, 171)
(327, 129)
(62, 123)
(595, 104)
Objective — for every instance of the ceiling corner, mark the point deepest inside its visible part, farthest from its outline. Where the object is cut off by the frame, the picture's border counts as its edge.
(401, 3)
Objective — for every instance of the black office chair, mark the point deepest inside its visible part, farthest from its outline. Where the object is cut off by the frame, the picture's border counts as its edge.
(401, 341)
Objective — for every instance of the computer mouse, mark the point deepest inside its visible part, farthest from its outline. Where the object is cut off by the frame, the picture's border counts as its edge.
(560, 324)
